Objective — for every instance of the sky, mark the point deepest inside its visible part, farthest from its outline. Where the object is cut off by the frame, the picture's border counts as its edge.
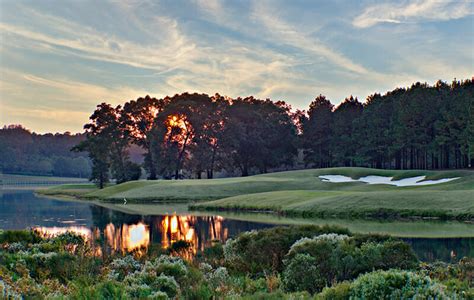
(60, 58)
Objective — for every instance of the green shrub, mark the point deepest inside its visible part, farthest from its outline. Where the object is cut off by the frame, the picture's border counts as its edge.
(338, 257)
(302, 274)
(121, 267)
(213, 255)
(398, 254)
(340, 291)
(68, 238)
(152, 278)
(167, 285)
(202, 292)
(23, 236)
(263, 251)
(171, 266)
(108, 290)
(396, 284)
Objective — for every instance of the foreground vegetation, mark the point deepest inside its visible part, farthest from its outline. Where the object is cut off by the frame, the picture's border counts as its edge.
(302, 193)
(305, 262)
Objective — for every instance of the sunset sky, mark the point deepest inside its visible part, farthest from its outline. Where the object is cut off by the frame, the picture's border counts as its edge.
(59, 59)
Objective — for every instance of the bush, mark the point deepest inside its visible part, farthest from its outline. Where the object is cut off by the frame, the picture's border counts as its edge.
(340, 291)
(213, 255)
(22, 236)
(398, 254)
(158, 275)
(302, 274)
(396, 284)
(338, 257)
(171, 266)
(263, 251)
(104, 290)
(121, 267)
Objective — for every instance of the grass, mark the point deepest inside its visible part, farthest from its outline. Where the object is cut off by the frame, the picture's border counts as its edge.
(376, 204)
(68, 190)
(28, 181)
(302, 193)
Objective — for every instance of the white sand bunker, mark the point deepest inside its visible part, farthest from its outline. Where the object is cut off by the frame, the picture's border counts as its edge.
(411, 181)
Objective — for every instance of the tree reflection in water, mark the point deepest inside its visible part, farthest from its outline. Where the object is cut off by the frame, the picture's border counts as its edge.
(115, 232)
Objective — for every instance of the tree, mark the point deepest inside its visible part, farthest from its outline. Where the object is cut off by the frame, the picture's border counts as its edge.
(258, 134)
(317, 133)
(26, 152)
(345, 144)
(177, 129)
(139, 117)
(107, 142)
(206, 147)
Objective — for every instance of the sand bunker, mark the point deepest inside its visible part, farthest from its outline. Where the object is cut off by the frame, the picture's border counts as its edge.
(411, 181)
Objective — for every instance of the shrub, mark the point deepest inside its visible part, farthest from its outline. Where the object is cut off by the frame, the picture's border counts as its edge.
(302, 274)
(337, 258)
(340, 291)
(398, 254)
(263, 251)
(121, 267)
(156, 276)
(104, 290)
(171, 266)
(15, 236)
(213, 255)
(396, 284)
(68, 238)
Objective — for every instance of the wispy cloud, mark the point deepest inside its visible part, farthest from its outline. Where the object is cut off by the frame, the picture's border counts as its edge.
(287, 34)
(43, 103)
(92, 45)
(414, 11)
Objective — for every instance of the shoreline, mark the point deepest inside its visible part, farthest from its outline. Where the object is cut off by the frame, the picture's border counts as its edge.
(406, 228)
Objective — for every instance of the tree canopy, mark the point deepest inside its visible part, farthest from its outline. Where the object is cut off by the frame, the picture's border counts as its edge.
(188, 135)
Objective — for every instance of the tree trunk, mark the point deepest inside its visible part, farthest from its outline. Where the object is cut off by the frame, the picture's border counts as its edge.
(245, 171)
(180, 157)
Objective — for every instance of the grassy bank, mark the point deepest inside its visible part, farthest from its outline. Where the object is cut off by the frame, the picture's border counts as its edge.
(302, 193)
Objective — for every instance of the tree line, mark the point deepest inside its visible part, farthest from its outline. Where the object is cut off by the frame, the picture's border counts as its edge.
(191, 135)
(421, 127)
(27, 153)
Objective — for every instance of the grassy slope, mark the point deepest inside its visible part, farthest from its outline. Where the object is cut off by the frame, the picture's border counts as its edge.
(453, 200)
(404, 203)
(302, 193)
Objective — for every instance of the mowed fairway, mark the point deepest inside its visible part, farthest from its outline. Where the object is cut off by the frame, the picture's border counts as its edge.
(303, 193)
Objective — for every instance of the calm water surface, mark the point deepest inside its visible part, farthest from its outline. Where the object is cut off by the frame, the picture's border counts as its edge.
(114, 231)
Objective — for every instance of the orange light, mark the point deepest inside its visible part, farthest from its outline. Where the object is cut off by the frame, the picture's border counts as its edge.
(49, 232)
(135, 237)
(174, 224)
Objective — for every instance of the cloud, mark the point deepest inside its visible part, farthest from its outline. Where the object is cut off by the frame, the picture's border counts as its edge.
(287, 34)
(184, 63)
(46, 104)
(63, 36)
(30, 91)
(415, 11)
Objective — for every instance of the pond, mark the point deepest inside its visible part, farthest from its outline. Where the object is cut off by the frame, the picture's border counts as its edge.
(113, 228)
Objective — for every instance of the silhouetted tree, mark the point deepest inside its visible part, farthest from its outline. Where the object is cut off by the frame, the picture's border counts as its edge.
(317, 133)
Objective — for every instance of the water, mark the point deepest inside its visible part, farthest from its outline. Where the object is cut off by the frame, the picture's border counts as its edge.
(114, 231)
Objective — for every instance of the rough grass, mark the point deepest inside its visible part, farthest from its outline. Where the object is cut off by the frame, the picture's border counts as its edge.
(303, 193)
